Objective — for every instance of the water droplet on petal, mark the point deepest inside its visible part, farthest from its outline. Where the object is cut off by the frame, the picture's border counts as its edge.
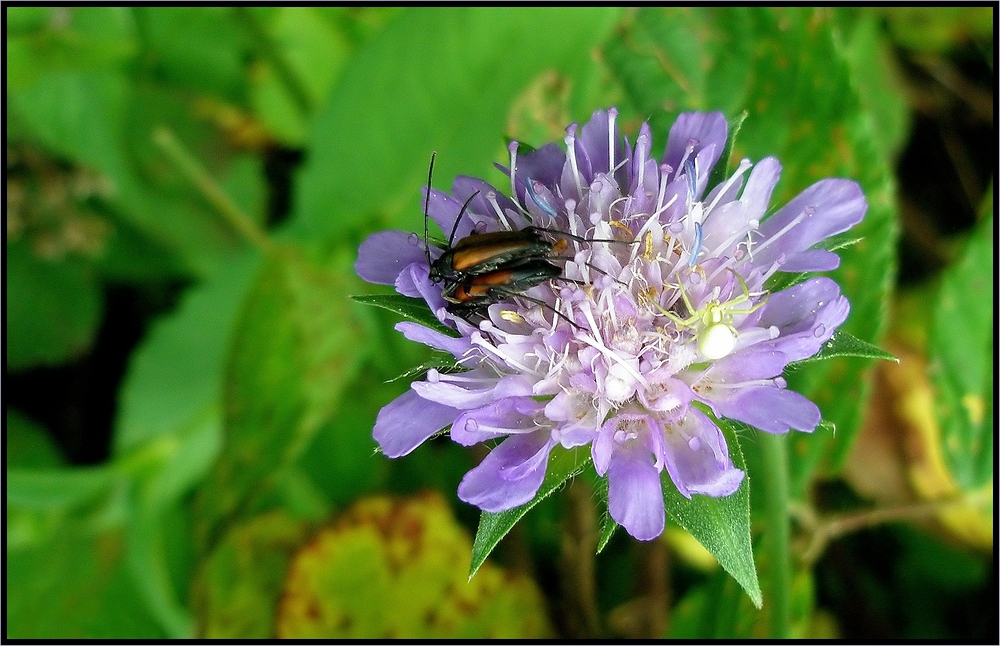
(413, 239)
(471, 425)
(819, 331)
(433, 376)
(694, 444)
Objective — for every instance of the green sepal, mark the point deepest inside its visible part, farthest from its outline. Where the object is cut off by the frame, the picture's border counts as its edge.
(721, 170)
(414, 309)
(845, 344)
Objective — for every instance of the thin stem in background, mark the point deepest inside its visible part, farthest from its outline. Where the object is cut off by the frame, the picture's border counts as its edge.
(824, 530)
(185, 162)
(579, 550)
(774, 479)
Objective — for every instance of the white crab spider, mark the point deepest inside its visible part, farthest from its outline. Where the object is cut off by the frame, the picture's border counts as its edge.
(716, 337)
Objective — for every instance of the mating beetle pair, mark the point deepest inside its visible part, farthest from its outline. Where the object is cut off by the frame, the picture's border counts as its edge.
(486, 268)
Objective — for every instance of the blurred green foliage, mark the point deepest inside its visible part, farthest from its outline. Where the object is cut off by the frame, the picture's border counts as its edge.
(243, 421)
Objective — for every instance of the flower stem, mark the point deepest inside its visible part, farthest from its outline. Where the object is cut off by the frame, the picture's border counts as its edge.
(774, 450)
(186, 163)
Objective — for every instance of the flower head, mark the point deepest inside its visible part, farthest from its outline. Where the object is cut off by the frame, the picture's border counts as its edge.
(659, 304)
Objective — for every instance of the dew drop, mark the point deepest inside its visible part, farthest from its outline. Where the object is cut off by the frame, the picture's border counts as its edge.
(819, 331)
(471, 425)
(413, 239)
(433, 376)
(694, 444)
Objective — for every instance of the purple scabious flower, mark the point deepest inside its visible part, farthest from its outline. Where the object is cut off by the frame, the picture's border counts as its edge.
(660, 305)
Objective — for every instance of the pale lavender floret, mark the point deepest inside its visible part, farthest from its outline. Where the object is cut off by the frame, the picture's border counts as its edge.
(623, 376)
(826, 208)
(384, 255)
(409, 420)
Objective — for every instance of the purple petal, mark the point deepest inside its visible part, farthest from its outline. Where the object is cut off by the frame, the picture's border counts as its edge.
(812, 260)
(757, 193)
(443, 209)
(756, 362)
(420, 334)
(415, 282)
(507, 416)
(596, 138)
(384, 255)
(635, 494)
(404, 423)
(806, 316)
(771, 409)
(697, 458)
(510, 475)
(542, 165)
(702, 130)
(826, 208)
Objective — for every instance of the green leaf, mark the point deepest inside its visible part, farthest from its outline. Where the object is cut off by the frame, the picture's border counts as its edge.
(73, 584)
(148, 560)
(961, 352)
(563, 465)
(51, 489)
(239, 585)
(439, 78)
(608, 524)
(349, 582)
(721, 170)
(716, 610)
(201, 48)
(844, 344)
(721, 525)
(53, 309)
(414, 309)
(293, 353)
(174, 379)
(29, 445)
(102, 120)
(311, 50)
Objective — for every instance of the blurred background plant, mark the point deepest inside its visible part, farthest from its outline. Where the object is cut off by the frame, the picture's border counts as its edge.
(189, 391)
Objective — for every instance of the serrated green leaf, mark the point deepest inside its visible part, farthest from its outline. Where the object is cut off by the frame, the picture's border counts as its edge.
(721, 525)
(844, 344)
(961, 353)
(563, 465)
(414, 309)
(439, 78)
(293, 353)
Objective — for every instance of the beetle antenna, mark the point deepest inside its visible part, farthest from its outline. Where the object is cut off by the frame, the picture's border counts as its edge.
(427, 201)
(454, 229)
(571, 236)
